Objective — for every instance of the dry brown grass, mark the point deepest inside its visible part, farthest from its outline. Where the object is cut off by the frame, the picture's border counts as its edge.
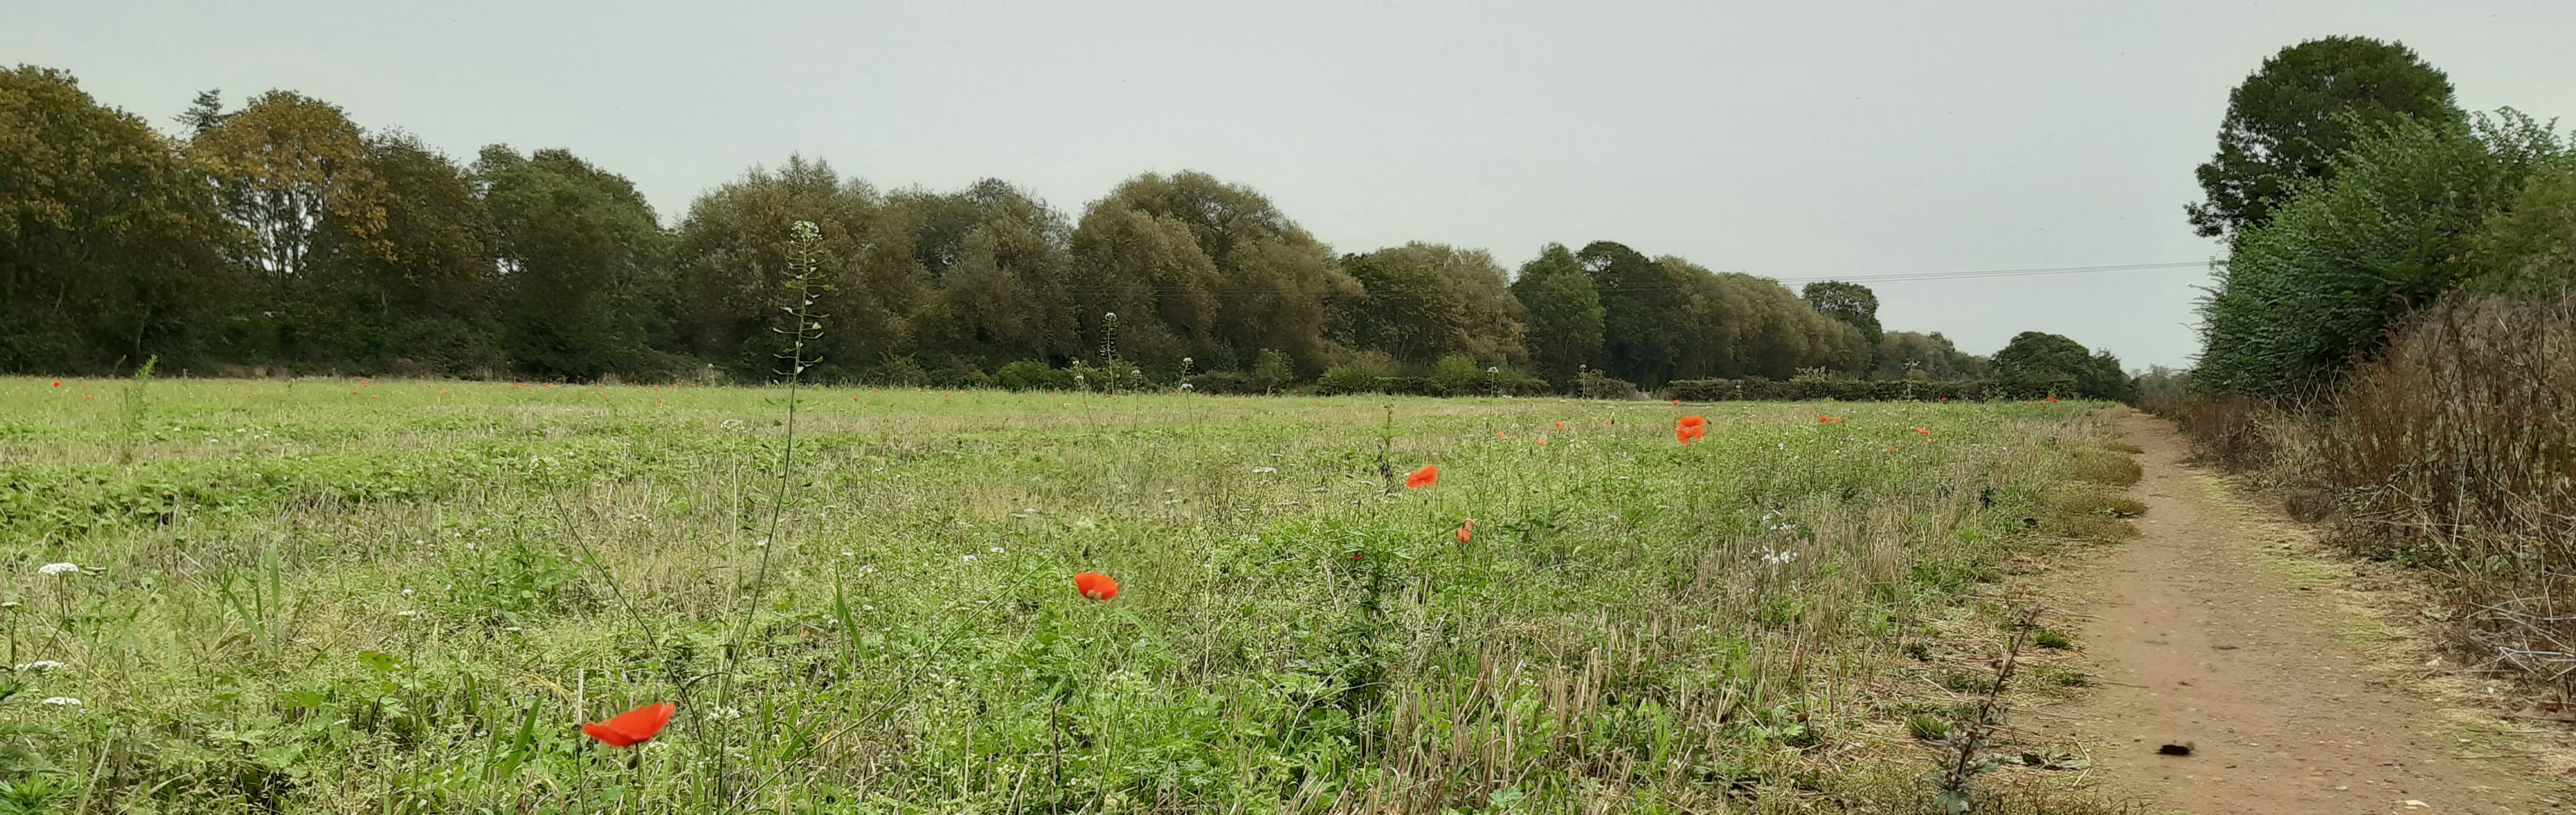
(2107, 467)
(2454, 449)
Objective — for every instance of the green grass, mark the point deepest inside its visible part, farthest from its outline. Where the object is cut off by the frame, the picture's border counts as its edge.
(403, 596)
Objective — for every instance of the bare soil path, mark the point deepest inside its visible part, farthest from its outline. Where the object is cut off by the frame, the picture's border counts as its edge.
(2202, 637)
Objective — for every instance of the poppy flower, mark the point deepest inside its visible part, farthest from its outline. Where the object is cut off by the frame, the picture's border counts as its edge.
(1922, 432)
(1826, 420)
(1095, 585)
(1560, 425)
(1693, 421)
(1422, 477)
(1542, 441)
(1945, 398)
(1688, 433)
(2051, 400)
(1677, 401)
(58, 383)
(1500, 434)
(1355, 555)
(631, 727)
(1466, 530)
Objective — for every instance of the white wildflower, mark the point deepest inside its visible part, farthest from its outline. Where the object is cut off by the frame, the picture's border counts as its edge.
(1264, 470)
(969, 558)
(997, 550)
(51, 569)
(64, 701)
(39, 665)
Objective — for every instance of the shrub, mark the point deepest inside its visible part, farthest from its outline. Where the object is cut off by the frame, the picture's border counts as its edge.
(1032, 375)
(1358, 374)
(1456, 375)
(1591, 383)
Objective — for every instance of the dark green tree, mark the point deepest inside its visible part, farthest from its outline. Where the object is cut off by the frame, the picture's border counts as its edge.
(582, 265)
(1912, 355)
(1001, 260)
(1270, 284)
(2321, 283)
(1852, 303)
(1423, 301)
(2042, 364)
(731, 270)
(1565, 312)
(416, 294)
(110, 243)
(2302, 109)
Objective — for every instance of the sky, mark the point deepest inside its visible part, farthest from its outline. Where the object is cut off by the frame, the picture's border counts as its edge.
(1789, 140)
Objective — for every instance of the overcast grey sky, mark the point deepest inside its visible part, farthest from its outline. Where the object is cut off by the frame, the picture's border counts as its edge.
(1790, 140)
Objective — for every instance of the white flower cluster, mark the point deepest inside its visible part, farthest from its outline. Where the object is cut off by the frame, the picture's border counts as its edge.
(40, 665)
(60, 700)
(52, 569)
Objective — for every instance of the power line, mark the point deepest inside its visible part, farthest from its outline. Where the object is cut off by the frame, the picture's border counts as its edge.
(1984, 273)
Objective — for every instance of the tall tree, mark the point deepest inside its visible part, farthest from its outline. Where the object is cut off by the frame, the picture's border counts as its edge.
(1277, 280)
(2320, 284)
(1001, 259)
(110, 243)
(1424, 301)
(289, 167)
(2038, 363)
(732, 265)
(1641, 316)
(1565, 312)
(2305, 106)
(1912, 355)
(1852, 303)
(583, 263)
(417, 294)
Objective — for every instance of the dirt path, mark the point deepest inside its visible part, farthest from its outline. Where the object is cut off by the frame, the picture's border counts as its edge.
(2201, 637)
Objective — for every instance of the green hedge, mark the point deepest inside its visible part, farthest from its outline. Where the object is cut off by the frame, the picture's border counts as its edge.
(1848, 390)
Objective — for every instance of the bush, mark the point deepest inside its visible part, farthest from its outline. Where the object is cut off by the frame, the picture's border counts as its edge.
(1456, 375)
(1359, 374)
(1032, 375)
(1226, 382)
(1591, 383)
(1798, 390)
(2454, 449)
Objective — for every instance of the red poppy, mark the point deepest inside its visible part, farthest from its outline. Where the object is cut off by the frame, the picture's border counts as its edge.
(1891, 448)
(1560, 425)
(1422, 477)
(2049, 399)
(366, 382)
(1693, 421)
(1826, 420)
(1922, 431)
(1542, 441)
(1500, 434)
(1945, 398)
(1095, 585)
(1687, 433)
(631, 727)
(1355, 555)
(1466, 530)
(58, 383)
(1677, 401)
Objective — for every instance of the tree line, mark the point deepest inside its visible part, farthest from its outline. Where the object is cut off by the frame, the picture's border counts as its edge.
(281, 235)
(2353, 193)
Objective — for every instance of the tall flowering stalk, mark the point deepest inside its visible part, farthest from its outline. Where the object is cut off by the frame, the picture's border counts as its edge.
(804, 329)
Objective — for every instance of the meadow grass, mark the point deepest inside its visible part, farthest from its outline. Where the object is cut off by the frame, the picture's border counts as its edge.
(404, 596)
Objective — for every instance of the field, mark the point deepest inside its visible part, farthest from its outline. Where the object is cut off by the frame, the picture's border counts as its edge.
(405, 596)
